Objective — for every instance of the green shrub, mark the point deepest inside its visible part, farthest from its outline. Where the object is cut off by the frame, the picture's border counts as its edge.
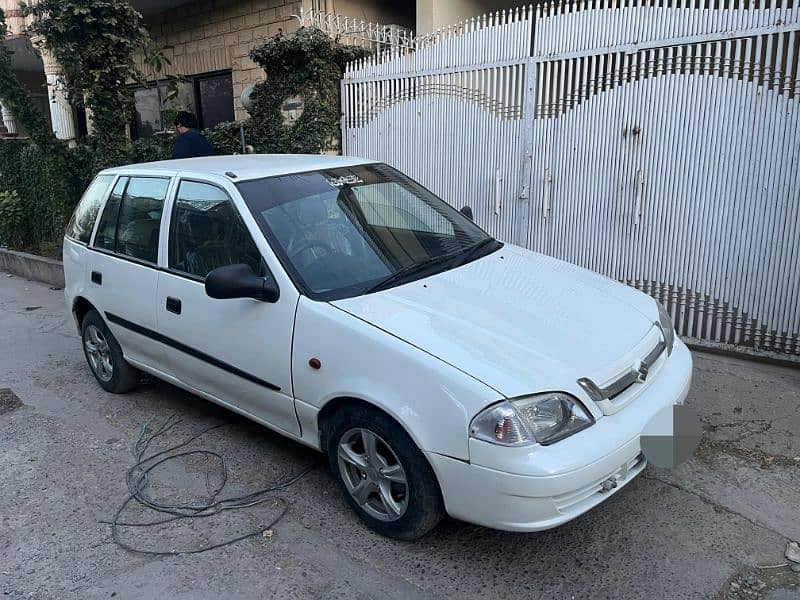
(226, 137)
(307, 64)
(12, 213)
(47, 187)
(151, 149)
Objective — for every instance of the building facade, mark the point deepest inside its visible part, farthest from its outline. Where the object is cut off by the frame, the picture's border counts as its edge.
(208, 43)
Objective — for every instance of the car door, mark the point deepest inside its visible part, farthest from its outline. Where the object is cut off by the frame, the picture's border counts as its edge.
(238, 350)
(123, 264)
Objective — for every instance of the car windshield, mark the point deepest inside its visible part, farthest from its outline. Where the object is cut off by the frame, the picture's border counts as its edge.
(350, 231)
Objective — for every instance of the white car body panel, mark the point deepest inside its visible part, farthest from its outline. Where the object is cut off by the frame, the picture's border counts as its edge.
(433, 401)
(518, 321)
(431, 353)
(252, 337)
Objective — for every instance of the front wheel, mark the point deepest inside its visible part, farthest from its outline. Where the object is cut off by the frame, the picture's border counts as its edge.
(386, 479)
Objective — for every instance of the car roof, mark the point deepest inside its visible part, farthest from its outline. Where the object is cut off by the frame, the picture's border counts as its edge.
(243, 166)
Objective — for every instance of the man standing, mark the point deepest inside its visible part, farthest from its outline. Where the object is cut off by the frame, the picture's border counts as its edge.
(190, 141)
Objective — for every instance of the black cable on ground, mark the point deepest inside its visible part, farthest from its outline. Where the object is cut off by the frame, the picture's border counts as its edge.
(136, 479)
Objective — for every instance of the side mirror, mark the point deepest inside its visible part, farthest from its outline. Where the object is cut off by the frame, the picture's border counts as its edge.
(467, 212)
(239, 281)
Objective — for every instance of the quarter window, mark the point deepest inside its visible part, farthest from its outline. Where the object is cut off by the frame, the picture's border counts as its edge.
(106, 236)
(206, 232)
(83, 219)
(140, 218)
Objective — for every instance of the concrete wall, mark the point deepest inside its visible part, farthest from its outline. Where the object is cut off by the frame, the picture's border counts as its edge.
(434, 14)
(385, 12)
(215, 35)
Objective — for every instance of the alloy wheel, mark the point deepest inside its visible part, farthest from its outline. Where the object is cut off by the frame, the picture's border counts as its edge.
(372, 474)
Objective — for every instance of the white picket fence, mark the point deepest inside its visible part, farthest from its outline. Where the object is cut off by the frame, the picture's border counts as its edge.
(657, 143)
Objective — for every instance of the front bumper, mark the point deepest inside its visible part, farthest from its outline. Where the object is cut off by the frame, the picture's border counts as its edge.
(540, 487)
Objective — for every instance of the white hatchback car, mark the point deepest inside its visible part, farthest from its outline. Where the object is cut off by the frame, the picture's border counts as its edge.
(341, 304)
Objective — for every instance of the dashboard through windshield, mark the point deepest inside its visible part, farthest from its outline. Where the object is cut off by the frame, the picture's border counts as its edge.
(349, 231)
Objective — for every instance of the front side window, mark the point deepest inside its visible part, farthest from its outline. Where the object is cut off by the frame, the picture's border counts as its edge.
(83, 219)
(139, 218)
(349, 231)
(206, 232)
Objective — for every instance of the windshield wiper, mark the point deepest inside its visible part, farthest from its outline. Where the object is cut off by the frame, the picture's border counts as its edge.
(415, 268)
(475, 250)
(407, 271)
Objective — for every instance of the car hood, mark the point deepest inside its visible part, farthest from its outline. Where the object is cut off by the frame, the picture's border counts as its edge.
(518, 321)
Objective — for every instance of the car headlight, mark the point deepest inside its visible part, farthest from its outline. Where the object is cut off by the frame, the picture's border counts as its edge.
(543, 418)
(667, 329)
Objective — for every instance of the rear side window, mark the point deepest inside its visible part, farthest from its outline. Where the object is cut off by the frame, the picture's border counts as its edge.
(82, 222)
(139, 218)
(106, 236)
(207, 232)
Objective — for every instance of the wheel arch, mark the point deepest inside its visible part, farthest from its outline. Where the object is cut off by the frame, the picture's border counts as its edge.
(339, 403)
(80, 307)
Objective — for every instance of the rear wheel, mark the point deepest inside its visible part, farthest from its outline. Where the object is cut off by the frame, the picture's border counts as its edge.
(104, 355)
(386, 478)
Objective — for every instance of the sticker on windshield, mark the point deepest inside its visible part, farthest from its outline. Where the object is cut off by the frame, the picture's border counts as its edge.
(345, 180)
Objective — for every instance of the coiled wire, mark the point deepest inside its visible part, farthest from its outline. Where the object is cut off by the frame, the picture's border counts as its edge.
(136, 479)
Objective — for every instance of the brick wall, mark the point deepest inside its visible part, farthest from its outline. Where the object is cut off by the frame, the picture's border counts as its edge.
(212, 35)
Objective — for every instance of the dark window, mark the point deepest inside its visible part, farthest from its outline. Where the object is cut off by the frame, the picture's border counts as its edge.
(215, 100)
(83, 219)
(206, 232)
(107, 229)
(140, 218)
(209, 97)
(155, 104)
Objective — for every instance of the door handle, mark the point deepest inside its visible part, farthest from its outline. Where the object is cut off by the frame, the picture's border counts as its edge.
(173, 305)
(97, 277)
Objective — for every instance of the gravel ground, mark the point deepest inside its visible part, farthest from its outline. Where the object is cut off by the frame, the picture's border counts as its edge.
(698, 531)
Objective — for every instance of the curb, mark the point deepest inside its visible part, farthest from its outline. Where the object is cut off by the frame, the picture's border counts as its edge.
(743, 352)
(30, 266)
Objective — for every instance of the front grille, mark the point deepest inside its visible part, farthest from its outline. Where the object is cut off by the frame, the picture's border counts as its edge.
(623, 382)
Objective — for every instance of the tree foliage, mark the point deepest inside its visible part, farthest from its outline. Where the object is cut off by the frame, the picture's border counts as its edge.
(94, 42)
(308, 64)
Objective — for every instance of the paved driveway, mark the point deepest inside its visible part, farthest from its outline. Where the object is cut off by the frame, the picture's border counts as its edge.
(697, 531)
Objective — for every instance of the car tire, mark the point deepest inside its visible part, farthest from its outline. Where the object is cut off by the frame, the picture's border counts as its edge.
(104, 356)
(415, 506)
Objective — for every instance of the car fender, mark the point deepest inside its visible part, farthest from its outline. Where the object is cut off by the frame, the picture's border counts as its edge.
(433, 401)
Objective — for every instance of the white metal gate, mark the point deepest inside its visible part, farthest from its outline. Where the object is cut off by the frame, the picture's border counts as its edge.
(655, 142)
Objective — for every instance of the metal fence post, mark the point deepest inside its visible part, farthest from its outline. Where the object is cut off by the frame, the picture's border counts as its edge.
(523, 213)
